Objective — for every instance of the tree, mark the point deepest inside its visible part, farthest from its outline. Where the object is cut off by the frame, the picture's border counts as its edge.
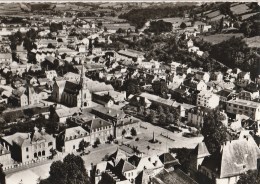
(159, 26)
(184, 157)
(183, 25)
(133, 132)
(83, 144)
(123, 132)
(160, 88)
(151, 116)
(110, 138)
(159, 109)
(162, 118)
(170, 118)
(214, 132)
(250, 177)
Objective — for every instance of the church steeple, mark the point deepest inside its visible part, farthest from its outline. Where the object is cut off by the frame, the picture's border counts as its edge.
(83, 77)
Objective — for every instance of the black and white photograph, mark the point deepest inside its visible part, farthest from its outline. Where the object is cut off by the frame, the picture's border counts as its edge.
(141, 92)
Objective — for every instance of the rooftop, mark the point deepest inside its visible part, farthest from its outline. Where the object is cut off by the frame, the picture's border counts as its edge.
(247, 103)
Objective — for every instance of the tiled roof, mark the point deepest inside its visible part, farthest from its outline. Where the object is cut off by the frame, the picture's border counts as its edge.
(66, 112)
(98, 123)
(124, 166)
(176, 177)
(75, 132)
(201, 150)
(235, 157)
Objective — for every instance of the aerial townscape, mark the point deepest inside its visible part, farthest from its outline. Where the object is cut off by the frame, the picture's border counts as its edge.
(130, 93)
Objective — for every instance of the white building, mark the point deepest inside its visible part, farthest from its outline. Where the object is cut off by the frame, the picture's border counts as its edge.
(207, 99)
(246, 107)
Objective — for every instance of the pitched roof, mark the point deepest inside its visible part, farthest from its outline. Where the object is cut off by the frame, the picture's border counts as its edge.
(176, 177)
(235, 157)
(66, 112)
(168, 158)
(75, 132)
(98, 123)
(124, 166)
(201, 150)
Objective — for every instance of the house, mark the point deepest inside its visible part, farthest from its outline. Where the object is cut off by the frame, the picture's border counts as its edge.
(105, 100)
(134, 55)
(233, 159)
(244, 75)
(45, 42)
(196, 115)
(207, 99)
(176, 177)
(248, 108)
(246, 95)
(51, 74)
(151, 163)
(202, 76)
(217, 76)
(106, 173)
(174, 66)
(70, 76)
(98, 129)
(26, 147)
(68, 140)
(169, 161)
(62, 114)
(108, 98)
(182, 94)
(6, 58)
(126, 124)
(108, 113)
(194, 84)
(224, 96)
(198, 155)
(5, 156)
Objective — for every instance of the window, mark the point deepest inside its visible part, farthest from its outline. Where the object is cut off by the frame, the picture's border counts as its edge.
(50, 144)
(27, 149)
(73, 146)
(27, 156)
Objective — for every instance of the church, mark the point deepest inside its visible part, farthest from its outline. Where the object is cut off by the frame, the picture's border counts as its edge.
(72, 93)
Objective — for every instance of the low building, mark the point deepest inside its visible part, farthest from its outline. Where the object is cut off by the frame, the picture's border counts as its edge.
(5, 156)
(25, 147)
(6, 58)
(248, 108)
(196, 115)
(68, 141)
(99, 129)
(126, 124)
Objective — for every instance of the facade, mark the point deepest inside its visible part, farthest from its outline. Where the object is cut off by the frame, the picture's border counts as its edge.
(207, 99)
(25, 147)
(72, 94)
(196, 115)
(234, 158)
(246, 95)
(68, 140)
(6, 58)
(51, 74)
(126, 124)
(98, 129)
(248, 108)
(5, 156)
